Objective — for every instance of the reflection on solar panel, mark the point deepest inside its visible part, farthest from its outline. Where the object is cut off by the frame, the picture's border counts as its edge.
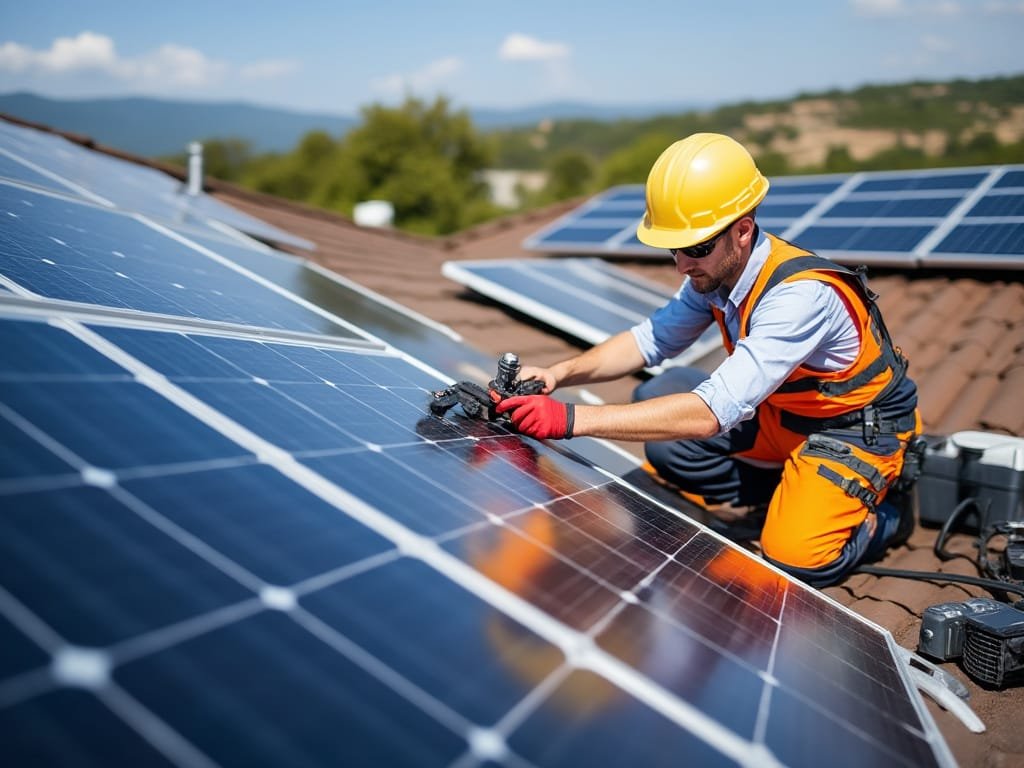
(253, 548)
(587, 298)
(949, 217)
(54, 163)
(74, 251)
(436, 345)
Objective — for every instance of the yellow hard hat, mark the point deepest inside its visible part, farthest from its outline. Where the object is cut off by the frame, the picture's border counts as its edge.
(698, 187)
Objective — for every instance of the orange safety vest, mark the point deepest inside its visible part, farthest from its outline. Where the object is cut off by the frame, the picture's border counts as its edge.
(822, 395)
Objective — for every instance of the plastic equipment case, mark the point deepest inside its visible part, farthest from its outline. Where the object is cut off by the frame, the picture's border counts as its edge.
(981, 465)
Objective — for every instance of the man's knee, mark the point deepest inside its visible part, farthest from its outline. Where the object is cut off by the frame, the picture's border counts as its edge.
(803, 560)
(662, 457)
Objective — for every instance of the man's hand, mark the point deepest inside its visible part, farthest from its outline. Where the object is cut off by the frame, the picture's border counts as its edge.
(539, 416)
(540, 374)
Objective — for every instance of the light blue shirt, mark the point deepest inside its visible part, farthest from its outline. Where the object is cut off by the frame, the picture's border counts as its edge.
(803, 322)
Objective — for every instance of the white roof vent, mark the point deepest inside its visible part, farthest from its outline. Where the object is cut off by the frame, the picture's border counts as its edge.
(374, 213)
(195, 168)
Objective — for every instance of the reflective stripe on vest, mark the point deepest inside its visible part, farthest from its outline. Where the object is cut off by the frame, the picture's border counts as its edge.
(878, 366)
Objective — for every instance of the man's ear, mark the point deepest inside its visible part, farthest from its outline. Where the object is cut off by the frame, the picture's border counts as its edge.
(744, 229)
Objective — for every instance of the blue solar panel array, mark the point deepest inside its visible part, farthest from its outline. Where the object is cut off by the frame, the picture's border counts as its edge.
(332, 575)
(244, 546)
(51, 162)
(970, 217)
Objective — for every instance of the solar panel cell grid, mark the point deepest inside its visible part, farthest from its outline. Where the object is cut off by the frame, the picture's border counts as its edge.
(12, 169)
(848, 238)
(1011, 179)
(999, 205)
(77, 252)
(858, 209)
(212, 580)
(921, 181)
(996, 239)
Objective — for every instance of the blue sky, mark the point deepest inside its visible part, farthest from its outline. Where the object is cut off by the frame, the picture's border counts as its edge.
(338, 56)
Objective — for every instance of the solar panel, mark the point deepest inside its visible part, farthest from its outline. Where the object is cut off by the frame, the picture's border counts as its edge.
(587, 298)
(431, 342)
(944, 217)
(71, 250)
(242, 585)
(248, 547)
(52, 162)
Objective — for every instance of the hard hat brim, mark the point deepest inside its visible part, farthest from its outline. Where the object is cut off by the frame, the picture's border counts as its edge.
(666, 238)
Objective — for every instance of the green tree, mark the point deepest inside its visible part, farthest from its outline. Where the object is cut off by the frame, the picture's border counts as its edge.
(424, 158)
(632, 163)
(569, 174)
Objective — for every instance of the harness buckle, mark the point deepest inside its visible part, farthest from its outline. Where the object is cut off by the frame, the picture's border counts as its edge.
(871, 424)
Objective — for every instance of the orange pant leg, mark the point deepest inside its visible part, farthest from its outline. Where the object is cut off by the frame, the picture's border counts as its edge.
(810, 517)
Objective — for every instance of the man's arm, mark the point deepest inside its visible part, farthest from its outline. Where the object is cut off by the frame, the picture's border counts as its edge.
(683, 416)
(611, 359)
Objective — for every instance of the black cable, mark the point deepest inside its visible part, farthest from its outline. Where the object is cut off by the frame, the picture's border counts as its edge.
(944, 531)
(990, 584)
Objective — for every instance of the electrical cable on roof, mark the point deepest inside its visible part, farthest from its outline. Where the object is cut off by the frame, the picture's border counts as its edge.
(992, 585)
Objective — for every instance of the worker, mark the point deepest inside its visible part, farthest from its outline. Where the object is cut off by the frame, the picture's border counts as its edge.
(802, 431)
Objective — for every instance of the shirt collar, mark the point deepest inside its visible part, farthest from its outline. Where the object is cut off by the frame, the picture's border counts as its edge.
(758, 256)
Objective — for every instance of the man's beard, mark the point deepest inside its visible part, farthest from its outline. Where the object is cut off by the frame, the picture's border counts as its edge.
(730, 267)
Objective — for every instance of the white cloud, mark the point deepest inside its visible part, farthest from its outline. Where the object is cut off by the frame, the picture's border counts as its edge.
(270, 69)
(86, 51)
(518, 47)
(886, 9)
(168, 66)
(431, 77)
(942, 8)
(879, 8)
(172, 65)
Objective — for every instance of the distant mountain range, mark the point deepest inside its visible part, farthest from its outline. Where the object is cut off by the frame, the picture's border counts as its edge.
(155, 127)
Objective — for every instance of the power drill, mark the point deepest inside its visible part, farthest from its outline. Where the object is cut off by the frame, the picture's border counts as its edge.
(479, 403)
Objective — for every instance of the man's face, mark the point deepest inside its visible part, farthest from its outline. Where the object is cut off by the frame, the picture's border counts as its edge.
(722, 266)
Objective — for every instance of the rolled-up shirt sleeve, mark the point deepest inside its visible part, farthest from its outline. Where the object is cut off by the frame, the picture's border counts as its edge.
(673, 327)
(794, 323)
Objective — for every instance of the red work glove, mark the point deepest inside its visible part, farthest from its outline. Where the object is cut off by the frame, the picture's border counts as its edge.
(539, 416)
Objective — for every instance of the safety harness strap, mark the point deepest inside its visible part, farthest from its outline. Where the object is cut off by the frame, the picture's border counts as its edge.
(825, 447)
(850, 486)
(889, 358)
(868, 418)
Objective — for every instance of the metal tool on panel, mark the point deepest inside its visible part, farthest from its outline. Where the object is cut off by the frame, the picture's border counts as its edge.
(479, 403)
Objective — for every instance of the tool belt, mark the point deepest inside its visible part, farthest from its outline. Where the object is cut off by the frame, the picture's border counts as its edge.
(868, 418)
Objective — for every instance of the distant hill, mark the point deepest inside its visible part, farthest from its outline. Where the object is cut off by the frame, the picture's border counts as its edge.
(156, 127)
(571, 110)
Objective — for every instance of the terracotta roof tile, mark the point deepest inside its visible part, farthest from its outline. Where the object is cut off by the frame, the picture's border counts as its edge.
(1005, 411)
(964, 412)
(1006, 304)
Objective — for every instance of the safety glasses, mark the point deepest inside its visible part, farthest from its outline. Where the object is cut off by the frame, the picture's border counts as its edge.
(700, 250)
